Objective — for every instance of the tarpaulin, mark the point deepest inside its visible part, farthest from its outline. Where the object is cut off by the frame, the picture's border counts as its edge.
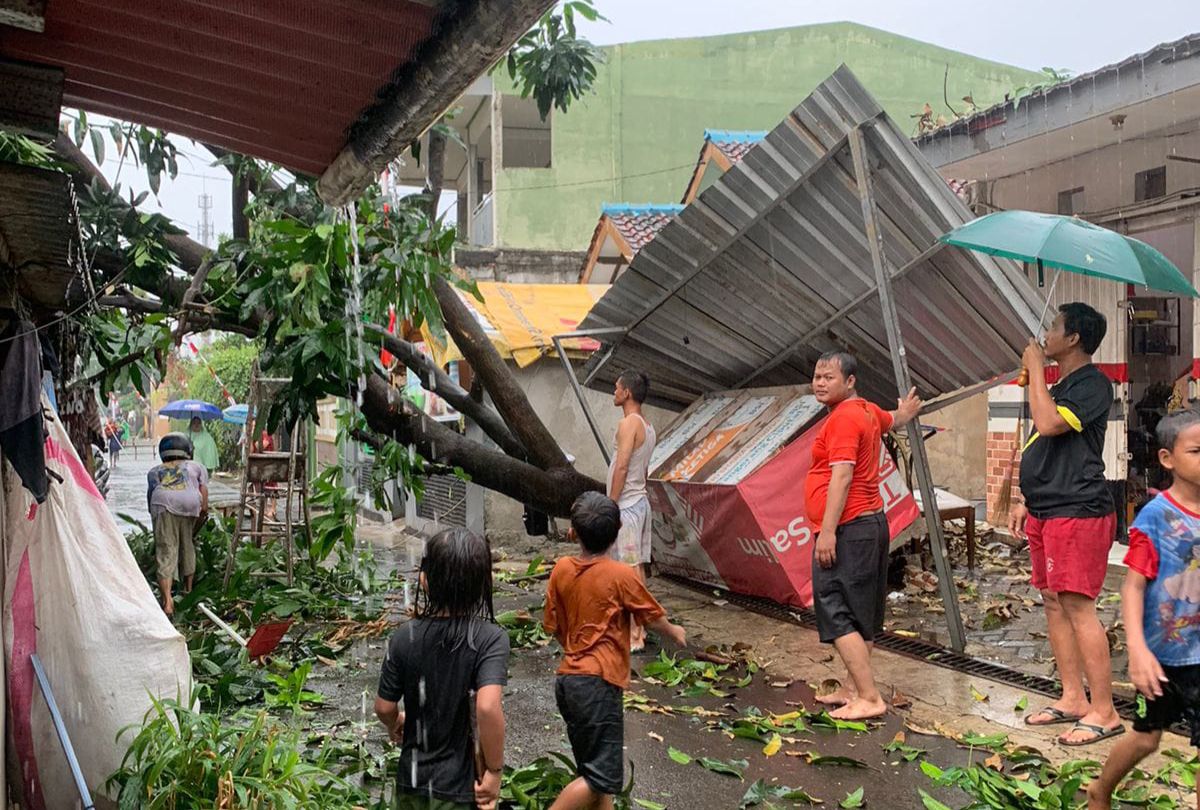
(73, 594)
(521, 319)
(727, 489)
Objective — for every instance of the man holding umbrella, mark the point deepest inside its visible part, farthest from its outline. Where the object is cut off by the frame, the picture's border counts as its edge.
(1069, 518)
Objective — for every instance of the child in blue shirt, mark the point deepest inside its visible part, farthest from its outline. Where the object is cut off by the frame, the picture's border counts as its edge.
(1161, 606)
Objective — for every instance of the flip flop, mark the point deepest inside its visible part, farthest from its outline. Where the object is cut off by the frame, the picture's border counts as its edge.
(1058, 714)
(1101, 733)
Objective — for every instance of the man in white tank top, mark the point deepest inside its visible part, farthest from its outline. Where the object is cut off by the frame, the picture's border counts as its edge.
(627, 480)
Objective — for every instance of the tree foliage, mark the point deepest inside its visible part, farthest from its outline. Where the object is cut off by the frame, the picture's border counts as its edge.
(551, 63)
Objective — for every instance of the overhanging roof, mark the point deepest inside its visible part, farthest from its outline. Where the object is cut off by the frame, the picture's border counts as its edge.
(770, 267)
(325, 88)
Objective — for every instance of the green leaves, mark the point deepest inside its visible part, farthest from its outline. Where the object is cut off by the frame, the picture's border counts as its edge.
(762, 793)
(853, 799)
(551, 64)
(734, 767)
(678, 756)
(289, 691)
(179, 759)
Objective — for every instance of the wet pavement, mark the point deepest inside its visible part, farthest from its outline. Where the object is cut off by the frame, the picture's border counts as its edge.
(943, 705)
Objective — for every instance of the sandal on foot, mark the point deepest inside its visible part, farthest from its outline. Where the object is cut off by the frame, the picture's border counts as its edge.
(1058, 715)
(1101, 733)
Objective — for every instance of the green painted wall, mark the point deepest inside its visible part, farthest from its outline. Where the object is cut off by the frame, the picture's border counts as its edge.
(637, 138)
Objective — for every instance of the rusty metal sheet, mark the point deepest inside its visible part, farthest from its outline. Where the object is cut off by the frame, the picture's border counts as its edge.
(770, 267)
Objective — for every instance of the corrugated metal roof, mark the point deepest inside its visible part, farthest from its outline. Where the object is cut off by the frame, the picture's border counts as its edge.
(770, 267)
(39, 232)
(277, 79)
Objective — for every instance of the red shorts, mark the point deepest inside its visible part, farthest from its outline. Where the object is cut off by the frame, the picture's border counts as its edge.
(1070, 554)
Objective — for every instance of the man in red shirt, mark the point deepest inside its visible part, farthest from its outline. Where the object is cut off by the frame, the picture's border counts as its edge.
(850, 557)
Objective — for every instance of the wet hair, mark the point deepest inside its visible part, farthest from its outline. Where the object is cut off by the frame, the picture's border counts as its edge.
(596, 520)
(845, 361)
(637, 383)
(1080, 319)
(458, 583)
(1169, 427)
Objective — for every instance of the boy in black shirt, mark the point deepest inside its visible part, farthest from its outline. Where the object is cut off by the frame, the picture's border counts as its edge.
(450, 659)
(1069, 518)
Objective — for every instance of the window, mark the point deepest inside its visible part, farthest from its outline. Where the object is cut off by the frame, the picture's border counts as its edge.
(1150, 184)
(526, 136)
(1070, 201)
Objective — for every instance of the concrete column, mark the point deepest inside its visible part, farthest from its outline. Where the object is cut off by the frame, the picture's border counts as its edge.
(497, 160)
(472, 187)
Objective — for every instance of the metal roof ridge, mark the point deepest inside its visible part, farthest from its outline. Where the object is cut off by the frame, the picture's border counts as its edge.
(1192, 40)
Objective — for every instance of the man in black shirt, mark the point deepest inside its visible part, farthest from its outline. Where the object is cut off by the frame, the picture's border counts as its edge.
(1069, 518)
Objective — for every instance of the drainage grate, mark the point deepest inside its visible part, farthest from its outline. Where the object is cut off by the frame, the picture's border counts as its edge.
(916, 648)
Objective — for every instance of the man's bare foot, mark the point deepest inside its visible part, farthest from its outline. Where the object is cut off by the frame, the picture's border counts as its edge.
(838, 697)
(1097, 800)
(169, 608)
(860, 709)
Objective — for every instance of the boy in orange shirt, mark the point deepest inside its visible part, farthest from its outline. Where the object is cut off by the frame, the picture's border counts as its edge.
(590, 601)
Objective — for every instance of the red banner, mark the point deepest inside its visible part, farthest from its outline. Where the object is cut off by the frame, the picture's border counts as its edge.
(754, 537)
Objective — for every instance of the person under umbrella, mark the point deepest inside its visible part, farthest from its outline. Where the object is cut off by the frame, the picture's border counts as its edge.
(204, 446)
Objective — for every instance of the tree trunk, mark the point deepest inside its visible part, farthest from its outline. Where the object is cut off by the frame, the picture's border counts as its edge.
(507, 395)
(551, 491)
(241, 198)
(435, 169)
(434, 379)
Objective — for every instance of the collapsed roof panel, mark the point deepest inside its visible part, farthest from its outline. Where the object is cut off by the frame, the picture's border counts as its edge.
(770, 266)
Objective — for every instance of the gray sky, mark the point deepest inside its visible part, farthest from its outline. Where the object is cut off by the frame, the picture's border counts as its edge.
(1080, 35)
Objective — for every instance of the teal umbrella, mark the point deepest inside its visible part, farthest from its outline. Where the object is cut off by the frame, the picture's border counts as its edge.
(1070, 244)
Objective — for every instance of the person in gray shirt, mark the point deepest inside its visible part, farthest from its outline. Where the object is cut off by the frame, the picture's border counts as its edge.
(177, 497)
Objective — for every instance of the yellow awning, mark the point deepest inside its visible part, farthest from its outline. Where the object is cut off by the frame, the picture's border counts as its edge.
(521, 319)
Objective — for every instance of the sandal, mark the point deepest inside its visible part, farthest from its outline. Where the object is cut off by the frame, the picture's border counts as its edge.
(1101, 733)
(1058, 715)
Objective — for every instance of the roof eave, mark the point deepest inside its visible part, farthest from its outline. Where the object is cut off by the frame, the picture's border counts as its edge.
(469, 38)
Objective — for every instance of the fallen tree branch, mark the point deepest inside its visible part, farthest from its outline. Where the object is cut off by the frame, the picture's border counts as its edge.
(552, 491)
(434, 379)
(507, 395)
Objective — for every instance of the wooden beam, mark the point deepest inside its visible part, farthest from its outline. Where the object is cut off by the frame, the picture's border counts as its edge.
(472, 37)
(30, 97)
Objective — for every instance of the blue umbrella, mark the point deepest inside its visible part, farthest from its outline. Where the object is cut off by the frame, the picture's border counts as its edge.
(236, 414)
(187, 408)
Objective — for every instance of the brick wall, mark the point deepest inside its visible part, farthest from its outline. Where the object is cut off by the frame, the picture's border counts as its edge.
(999, 454)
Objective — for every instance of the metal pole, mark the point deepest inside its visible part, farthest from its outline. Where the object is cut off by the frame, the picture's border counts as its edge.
(60, 728)
(587, 411)
(215, 619)
(891, 319)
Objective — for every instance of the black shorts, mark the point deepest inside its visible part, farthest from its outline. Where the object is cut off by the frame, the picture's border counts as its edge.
(1180, 701)
(595, 715)
(849, 597)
